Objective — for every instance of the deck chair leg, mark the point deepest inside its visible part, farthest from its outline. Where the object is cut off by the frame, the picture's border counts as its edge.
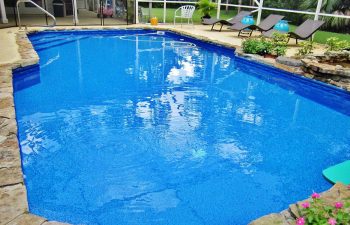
(221, 27)
(239, 33)
(212, 27)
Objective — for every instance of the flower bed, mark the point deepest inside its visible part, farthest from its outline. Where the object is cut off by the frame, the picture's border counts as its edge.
(328, 208)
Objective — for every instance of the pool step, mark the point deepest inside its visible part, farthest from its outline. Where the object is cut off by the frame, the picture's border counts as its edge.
(44, 44)
(40, 38)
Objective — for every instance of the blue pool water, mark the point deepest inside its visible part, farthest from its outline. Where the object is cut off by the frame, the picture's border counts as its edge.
(135, 127)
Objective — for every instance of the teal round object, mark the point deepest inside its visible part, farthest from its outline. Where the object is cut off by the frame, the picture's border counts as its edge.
(282, 25)
(248, 20)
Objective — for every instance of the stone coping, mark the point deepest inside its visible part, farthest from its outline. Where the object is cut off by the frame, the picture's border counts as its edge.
(13, 195)
(327, 69)
(318, 66)
(339, 192)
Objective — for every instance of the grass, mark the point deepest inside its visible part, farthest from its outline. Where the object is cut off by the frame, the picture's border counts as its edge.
(320, 37)
(158, 12)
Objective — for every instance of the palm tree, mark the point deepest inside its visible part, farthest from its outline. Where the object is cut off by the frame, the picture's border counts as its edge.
(337, 7)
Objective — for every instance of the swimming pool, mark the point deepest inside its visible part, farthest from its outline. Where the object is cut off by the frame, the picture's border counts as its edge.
(147, 127)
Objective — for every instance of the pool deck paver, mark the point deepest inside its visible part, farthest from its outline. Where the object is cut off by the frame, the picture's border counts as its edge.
(17, 51)
(27, 218)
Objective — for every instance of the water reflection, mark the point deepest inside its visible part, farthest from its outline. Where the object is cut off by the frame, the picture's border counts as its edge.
(182, 74)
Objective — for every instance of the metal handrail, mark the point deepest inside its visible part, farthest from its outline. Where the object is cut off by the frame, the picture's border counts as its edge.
(39, 7)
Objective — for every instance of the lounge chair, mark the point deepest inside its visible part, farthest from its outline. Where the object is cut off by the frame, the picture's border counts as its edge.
(267, 24)
(302, 32)
(186, 12)
(228, 22)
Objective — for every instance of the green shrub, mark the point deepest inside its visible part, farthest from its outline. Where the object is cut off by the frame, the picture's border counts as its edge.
(306, 48)
(316, 211)
(250, 46)
(263, 46)
(260, 46)
(280, 42)
(205, 7)
(334, 44)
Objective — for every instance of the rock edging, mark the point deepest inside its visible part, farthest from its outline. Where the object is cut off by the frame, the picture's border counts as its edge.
(338, 192)
(13, 194)
(327, 68)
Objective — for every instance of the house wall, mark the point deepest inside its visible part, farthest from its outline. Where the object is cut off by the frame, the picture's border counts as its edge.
(31, 10)
(82, 4)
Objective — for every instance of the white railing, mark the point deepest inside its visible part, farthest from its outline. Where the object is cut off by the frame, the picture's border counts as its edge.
(259, 7)
(36, 5)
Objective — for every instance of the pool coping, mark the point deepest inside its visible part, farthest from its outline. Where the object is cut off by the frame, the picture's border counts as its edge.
(13, 196)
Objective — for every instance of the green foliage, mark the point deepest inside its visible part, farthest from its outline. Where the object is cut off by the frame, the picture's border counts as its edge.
(339, 7)
(306, 48)
(294, 18)
(280, 42)
(334, 44)
(205, 7)
(260, 46)
(317, 212)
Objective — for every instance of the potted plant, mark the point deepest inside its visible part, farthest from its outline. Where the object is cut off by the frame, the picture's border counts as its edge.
(205, 7)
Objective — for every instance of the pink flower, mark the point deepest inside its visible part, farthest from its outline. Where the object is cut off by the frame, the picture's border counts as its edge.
(338, 205)
(315, 195)
(301, 221)
(348, 186)
(332, 221)
(305, 205)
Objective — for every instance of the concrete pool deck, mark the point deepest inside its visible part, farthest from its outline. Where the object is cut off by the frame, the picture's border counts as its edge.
(228, 37)
(17, 51)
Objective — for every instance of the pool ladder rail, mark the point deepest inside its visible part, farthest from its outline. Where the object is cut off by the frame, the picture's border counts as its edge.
(36, 5)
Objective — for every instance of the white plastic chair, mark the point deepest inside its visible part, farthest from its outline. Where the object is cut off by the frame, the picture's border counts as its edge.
(186, 12)
(144, 14)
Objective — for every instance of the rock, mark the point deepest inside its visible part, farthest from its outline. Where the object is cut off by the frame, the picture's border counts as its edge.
(333, 74)
(339, 67)
(288, 216)
(270, 219)
(8, 127)
(2, 138)
(54, 223)
(289, 61)
(27, 219)
(9, 153)
(8, 112)
(10, 175)
(339, 192)
(13, 202)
